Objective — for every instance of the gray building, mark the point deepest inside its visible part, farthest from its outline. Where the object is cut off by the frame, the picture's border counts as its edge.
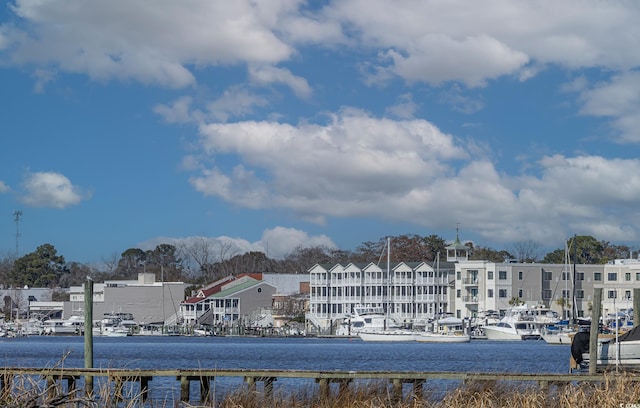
(148, 300)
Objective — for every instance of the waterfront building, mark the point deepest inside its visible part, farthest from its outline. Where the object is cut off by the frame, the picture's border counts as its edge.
(227, 300)
(406, 292)
(482, 286)
(147, 299)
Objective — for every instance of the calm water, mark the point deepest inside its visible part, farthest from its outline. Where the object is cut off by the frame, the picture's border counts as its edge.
(149, 352)
(285, 353)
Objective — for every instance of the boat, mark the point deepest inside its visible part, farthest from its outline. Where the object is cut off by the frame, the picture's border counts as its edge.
(561, 333)
(517, 324)
(63, 327)
(396, 335)
(447, 330)
(115, 325)
(365, 318)
(623, 349)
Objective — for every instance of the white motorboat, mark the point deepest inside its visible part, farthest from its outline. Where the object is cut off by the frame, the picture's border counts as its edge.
(447, 330)
(115, 325)
(365, 318)
(397, 335)
(515, 325)
(624, 351)
(63, 327)
(561, 334)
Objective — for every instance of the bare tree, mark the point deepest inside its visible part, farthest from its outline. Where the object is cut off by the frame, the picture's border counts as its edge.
(526, 251)
(205, 253)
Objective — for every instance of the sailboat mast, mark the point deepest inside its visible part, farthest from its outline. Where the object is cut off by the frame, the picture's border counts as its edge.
(389, 287)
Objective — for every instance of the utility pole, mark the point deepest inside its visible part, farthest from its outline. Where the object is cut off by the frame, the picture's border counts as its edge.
(17, 216)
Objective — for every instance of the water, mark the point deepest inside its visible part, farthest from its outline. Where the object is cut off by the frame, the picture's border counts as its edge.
(151, 352)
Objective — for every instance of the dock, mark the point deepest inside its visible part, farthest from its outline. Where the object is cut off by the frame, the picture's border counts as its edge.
(69, 380)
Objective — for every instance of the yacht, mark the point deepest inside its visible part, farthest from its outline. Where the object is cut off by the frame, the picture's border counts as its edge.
(63, 327)
(365, 318)
(447, 330)
(519, 323)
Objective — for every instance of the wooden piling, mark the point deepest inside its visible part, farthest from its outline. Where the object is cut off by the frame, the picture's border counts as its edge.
(88, 333)
(595, 328)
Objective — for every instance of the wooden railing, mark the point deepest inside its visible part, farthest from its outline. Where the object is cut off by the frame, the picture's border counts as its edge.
(324, 379)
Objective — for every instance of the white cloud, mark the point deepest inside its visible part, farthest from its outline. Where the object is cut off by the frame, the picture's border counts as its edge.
(235, 102)
(49, 189)
(266, 75)
(410, 172)
(405, 108)
(149, 42)
(617, 98)
(276, 243)
(346, 167)
(472, 42)
(3, 187)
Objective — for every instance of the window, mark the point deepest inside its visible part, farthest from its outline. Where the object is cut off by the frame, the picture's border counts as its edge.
(546, 294)
(520, 293)
(580, 276)
(502, 275)
(490, 293)
(579, 294)
(458, 275)
(612, 276)
(458, 295)
(638, 276)
(565, 276)
(502, 293)
(547, 276)
(490, 275)
(612, 294)
(519, 275)
(597, 276)
(627, 276)
(627, 294)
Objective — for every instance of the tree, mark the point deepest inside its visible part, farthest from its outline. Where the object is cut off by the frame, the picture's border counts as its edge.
(482, 253)
(526, 251)
(132, 261)
(42, 268)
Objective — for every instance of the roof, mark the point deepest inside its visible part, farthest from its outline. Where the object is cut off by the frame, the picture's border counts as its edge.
(223, 285)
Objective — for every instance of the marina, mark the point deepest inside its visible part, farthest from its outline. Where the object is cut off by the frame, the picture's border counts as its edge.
(172, 367)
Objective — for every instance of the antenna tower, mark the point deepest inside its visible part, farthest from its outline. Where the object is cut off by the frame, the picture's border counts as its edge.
(17, 216)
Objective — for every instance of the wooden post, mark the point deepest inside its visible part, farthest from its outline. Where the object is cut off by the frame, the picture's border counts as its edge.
(88, 334)
(636, 306)
(324, 387)
(397, 390)
(205, 389)
(184, 388)
(595, 327)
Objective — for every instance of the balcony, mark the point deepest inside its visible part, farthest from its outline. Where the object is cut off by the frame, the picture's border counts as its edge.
(470, 281)
(470, 299)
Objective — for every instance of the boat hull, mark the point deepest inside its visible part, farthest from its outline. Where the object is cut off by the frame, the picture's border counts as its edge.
(499, 333)
(388, 336)
(442, 338)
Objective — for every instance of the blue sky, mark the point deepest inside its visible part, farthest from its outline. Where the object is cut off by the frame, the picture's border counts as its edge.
(274, 124)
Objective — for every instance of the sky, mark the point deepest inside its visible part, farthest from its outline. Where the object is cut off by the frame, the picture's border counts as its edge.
(274, 124)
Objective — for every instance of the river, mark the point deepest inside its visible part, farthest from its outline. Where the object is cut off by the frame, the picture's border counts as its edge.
(169, 352)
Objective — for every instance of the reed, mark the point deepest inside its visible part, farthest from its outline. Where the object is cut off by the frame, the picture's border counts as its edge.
(612, 391)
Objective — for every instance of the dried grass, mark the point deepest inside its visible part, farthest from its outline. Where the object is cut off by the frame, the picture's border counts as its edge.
(613, 391)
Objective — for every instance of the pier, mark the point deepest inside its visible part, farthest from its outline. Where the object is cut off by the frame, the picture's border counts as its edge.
(69, 379)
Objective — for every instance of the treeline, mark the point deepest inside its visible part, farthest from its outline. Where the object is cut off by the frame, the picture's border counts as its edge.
(201, 261)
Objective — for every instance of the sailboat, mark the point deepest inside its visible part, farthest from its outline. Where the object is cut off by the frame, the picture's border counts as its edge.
(562, 333)
(387, 334)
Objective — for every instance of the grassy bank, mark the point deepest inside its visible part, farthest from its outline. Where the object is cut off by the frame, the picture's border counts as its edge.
(613, 391)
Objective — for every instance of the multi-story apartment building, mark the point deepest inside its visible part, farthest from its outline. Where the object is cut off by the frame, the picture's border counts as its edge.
(411, 292)
(482, 286)
(405, 291)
